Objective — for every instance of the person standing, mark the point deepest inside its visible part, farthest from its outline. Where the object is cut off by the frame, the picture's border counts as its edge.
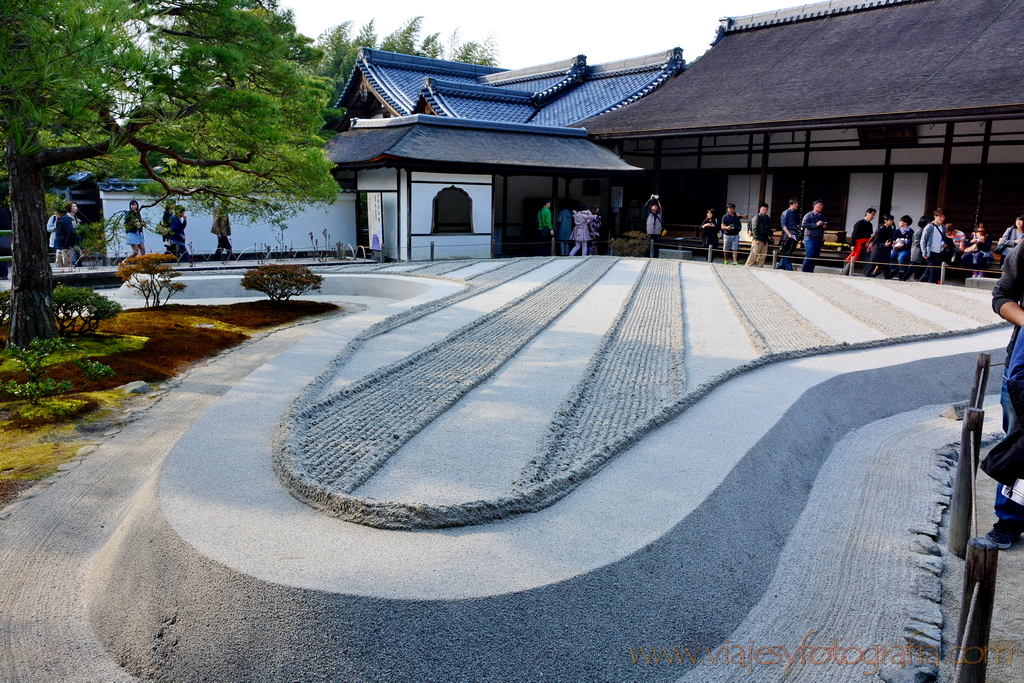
(731, 234)
(222, 229)
(5, 240)
(595, 230)
(563, 231)
(814, 225)
(133, 225)
(544, 229)
(654, 219)
(761, 234)
(861, 235)
(709, 234)
(1013, 235)
(978, 252)
(902, 238)
(881, 249)
(176, 236)
(790, 221)
(931, 247)
(65, 237)
(581, 218)
(1006, 301)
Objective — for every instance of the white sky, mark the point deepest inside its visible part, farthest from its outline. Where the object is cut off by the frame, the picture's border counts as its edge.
(531, 32)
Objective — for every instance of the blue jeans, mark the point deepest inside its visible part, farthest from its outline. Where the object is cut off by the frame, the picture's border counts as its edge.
(1010, 514)
(933, 273)
(812, 249)
(784, 264)
(902, 258)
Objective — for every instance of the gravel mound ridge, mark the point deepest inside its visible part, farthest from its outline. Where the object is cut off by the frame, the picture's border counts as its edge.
(881, 315)
(771, 323)
(331, 446)
(644, 347)
(640, 363)
(947, 298)
(479, 283)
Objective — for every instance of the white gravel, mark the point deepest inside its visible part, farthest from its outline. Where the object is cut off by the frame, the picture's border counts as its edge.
(715, 338)
(470, 453)
(826, 317)
(905, 300)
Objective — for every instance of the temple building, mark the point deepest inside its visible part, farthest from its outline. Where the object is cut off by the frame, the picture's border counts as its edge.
(903, 105)
(462, 156)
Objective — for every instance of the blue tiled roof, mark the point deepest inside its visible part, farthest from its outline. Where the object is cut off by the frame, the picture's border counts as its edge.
(557, 94)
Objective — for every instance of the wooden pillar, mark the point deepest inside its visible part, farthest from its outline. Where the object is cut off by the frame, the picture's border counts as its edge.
(657, 166)
(947, 155)
(700, 150)
(750, 150)
(764, 169)
(979, 207)
(888, 181)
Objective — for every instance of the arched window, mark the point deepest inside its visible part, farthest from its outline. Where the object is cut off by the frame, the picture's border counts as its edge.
(453, 211)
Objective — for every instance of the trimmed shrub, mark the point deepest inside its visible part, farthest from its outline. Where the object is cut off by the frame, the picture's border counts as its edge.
(634, 243)
(151, 276)
(78, 311)
(281, 283)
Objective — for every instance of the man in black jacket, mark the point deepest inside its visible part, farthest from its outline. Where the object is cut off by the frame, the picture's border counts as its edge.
(1006, 298)
(761, 234)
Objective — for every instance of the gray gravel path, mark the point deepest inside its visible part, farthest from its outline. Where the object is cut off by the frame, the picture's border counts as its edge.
(773, 325)
(51, 540)
(877, 313)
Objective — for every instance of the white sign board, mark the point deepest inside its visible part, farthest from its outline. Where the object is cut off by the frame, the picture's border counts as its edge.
(616, 198)
(375, 216)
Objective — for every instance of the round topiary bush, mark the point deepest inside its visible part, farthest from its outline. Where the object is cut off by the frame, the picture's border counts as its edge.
(281, 283)
(77, 311)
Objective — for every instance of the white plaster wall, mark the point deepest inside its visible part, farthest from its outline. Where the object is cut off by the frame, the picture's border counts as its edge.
(425, 187)
(338, 219)
(377, 179)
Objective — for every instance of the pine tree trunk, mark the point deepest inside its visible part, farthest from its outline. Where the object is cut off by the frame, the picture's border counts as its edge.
(31, 278)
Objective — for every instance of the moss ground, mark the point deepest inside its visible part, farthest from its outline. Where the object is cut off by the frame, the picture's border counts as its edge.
(148, 344)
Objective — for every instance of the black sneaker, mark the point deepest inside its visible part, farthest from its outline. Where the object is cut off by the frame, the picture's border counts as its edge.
(1002, 539)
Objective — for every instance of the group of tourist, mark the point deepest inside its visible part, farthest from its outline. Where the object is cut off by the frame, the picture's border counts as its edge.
(582, 226)
(892, 249)
(63, 227)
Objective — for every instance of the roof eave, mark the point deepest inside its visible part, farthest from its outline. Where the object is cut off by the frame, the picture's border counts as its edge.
(915, 117)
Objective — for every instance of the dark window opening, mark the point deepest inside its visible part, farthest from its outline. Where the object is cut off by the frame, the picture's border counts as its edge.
(453, 211)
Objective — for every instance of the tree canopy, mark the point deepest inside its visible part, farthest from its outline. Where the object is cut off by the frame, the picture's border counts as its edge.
(219, 93)
(340, 45)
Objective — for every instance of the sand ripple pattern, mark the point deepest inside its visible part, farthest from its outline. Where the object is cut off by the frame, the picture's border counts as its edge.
(946, 298)
(332, 446)
(771, 323)
(640, 365)
(890, 320)
(441, 267)
(479, 283)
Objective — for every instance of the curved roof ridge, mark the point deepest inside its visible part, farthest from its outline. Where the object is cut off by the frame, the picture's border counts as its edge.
(530, 73)
(575, 76)
(815, 10)
(479, 91)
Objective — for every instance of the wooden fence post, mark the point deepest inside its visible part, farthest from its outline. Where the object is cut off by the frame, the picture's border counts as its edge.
(981, 374)
(971, 653)
(962, 500)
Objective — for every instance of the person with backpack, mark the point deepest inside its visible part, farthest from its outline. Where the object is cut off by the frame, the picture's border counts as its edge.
(582, 220)
(1006, 301)
(790, 221)
(761, 236)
